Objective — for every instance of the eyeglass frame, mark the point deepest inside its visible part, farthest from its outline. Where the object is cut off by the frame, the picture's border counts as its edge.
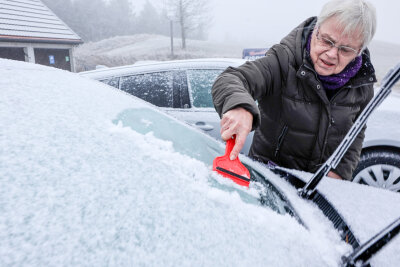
(340, 48)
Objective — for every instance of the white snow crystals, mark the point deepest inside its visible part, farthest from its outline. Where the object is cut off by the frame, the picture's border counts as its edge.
(77, 189)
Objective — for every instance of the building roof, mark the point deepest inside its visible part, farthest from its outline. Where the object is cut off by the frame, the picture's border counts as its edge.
(32, 21)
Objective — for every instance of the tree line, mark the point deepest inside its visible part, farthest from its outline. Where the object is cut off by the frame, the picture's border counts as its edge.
(94, 20)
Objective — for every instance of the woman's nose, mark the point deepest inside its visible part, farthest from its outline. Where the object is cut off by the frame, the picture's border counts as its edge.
(333, 52)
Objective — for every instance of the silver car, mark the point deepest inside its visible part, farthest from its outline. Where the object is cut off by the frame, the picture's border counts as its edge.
(183, 89)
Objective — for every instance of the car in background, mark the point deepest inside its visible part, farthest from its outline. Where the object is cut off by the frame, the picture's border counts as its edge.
(380, 157)
(93, 176)
(183, 89)
(254, 53)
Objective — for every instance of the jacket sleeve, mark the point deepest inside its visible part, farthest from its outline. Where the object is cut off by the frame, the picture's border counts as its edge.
(350, 160)
(241, 86)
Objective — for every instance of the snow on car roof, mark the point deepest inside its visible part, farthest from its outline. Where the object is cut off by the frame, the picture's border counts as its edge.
(164, 65)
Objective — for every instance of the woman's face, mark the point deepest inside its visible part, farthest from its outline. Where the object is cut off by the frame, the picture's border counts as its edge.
(331, 50)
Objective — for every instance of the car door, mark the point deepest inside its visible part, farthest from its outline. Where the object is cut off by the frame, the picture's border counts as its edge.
(197, 108)
(197, 105)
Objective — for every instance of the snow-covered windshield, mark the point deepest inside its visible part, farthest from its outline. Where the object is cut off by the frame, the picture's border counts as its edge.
(199, 146)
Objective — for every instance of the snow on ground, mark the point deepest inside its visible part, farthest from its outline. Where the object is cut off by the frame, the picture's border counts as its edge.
(126, 50)
(77, 189)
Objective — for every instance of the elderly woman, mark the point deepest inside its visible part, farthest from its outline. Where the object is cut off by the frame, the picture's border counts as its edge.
(310, 89)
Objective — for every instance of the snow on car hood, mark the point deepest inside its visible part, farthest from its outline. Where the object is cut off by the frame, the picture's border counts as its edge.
(78, 189)
(366, 209)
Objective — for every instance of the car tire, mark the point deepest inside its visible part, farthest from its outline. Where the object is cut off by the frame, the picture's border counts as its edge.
(379, 168)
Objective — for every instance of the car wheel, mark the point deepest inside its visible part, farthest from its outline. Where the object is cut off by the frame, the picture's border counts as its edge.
(380, 168)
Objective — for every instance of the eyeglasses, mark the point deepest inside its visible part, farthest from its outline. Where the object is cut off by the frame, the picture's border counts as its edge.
(343, 50)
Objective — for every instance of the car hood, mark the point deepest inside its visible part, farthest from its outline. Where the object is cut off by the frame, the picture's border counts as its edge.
(79, 187)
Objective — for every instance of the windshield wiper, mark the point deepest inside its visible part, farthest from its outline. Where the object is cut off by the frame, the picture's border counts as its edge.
(385, 89)
(361, 256)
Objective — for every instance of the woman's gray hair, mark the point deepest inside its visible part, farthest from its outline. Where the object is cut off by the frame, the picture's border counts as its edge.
(353, 15)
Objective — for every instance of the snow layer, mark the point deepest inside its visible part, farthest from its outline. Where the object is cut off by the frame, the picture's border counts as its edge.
(367, 210)
(76, 189)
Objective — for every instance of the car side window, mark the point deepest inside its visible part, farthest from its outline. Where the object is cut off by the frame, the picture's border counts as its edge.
(200, 84)
(156, 87)
(114, 82)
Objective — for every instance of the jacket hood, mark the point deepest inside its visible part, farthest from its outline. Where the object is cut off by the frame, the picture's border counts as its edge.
(295, 41)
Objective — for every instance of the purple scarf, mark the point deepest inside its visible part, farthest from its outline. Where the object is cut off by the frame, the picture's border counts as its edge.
(335, 81)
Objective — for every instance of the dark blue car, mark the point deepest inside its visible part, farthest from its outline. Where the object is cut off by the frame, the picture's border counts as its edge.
(253, 53)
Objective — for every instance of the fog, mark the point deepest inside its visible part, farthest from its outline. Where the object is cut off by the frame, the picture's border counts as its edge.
(264, 22)
(260, 23)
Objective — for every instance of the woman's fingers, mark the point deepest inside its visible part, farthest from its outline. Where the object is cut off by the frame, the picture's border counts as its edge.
(237, 122)
(226, 128)
(334, 175)
(239, 143)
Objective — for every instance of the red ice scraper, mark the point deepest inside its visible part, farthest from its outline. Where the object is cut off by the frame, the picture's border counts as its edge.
(232, 169)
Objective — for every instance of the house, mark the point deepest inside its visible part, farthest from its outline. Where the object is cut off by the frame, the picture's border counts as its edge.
(30, 31)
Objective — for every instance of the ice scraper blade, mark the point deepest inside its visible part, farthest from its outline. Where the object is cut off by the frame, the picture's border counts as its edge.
(232, 169)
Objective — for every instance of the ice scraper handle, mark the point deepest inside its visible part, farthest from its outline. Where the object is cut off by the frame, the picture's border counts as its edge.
(230, 143)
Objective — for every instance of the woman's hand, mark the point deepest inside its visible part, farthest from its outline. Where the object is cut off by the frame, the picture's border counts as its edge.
(237, 122)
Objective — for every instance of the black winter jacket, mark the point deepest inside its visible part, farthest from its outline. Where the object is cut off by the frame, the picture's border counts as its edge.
(296, 125)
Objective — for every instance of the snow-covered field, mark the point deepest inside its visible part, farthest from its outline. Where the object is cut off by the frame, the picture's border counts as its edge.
(77, 189)
(125, 50)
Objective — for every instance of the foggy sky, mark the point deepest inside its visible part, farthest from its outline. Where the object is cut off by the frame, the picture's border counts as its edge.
(261, 23)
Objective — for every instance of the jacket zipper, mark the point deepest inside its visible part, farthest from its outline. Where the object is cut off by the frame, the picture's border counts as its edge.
(280, 140)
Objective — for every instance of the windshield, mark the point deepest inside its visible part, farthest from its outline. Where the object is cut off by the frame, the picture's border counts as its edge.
(201, 147)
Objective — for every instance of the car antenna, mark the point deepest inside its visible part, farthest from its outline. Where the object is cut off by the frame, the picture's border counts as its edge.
(385, 89)
(362, 255)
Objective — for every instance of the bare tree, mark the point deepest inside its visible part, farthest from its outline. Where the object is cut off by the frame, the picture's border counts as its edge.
(190, 14)
(150, 20)
(120, 17)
